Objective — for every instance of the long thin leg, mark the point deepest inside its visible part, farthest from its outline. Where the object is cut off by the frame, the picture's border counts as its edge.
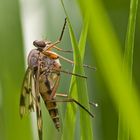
(52, 45)
(70, 61)
(66, 96)
(56, 56)
(59, 49)
(67, 72)
(72, 100)
(64, 71)
(62, 95)
(60, 38)
(55, 87)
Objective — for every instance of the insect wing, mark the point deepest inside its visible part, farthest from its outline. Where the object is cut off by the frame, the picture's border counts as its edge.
(38, 109)
(26, 97)
(39, 118)
(30, 97)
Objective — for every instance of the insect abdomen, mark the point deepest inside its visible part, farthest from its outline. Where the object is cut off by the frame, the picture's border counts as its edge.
(53, 111)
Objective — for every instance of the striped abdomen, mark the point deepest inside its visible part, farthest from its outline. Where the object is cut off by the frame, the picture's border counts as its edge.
(53, 111)
(48, 84)
(46, 91)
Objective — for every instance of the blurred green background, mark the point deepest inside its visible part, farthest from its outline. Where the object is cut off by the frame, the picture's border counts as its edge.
(21, 22)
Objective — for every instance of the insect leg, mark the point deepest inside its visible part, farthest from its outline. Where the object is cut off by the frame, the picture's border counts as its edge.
(62, 95)
(67, 72)
(50, 54)
(60, 38)
(56, 56)
(71, 62)
(72, 100)
(59, 49)
(66, 96)
(55, 87)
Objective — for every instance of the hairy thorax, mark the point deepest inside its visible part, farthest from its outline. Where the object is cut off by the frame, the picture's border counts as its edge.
(49, 71)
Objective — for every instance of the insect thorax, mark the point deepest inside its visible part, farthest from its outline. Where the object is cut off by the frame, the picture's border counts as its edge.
(36, 58)
(33, 58)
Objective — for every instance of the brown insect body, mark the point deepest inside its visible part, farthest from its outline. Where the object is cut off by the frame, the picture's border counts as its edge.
(47, 80)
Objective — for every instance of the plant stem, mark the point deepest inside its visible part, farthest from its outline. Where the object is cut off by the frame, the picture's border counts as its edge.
(123, 129)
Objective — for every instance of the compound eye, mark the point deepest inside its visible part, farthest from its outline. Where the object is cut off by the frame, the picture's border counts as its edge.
(39, 44)
(35, 43)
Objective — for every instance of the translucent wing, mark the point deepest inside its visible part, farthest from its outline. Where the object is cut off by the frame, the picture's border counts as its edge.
(26, 97)
(30, 97)
(39, 118)
(38, 109)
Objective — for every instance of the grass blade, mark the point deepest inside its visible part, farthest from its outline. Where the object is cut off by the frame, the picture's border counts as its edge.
(109, 58)
(129, 44)
(85, 122)
(123, 130)
(82, 40)
(11, 73)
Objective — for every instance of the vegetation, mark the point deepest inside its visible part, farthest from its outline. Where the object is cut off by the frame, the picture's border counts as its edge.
(102, 34)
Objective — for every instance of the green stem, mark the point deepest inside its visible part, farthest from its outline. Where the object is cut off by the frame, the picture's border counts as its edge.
(80, 87)
(12, 127)
(123, 129)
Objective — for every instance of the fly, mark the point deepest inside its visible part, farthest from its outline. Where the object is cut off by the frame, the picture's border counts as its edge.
(42, 79)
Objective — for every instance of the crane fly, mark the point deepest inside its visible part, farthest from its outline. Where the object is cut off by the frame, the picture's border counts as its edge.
(42, 79)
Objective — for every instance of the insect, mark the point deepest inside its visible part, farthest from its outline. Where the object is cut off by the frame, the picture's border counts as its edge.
(42, 80)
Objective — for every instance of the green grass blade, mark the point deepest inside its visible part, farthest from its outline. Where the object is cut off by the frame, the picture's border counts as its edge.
(129, 44)
(11, 73)
(70, 115)
(85, 122)
(109, 59)
(123, 130)
(82, 40)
